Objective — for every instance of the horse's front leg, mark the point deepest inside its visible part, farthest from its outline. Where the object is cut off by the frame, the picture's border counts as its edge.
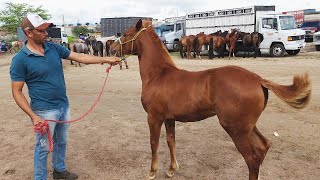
(171, 140)
(155, 124)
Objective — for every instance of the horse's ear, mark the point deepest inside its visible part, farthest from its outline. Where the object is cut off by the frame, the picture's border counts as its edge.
(139, 25)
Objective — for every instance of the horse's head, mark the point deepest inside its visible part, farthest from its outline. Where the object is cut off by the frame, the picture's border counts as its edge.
(125, 43)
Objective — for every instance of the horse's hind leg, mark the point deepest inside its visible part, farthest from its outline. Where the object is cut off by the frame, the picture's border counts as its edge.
(261, 142)
(246, 147)
(170, 130)
(155, 129)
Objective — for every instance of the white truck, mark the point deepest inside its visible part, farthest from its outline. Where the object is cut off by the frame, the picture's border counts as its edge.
(316, 40)
(279, 30)
(171, 31)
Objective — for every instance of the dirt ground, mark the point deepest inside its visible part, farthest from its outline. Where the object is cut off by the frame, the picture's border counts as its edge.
(113, 141)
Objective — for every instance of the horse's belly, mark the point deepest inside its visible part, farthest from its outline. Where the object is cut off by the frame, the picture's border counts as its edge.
(193, 117)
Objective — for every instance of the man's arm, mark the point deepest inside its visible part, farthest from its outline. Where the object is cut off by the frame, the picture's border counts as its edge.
(22, 101)
(89, 59)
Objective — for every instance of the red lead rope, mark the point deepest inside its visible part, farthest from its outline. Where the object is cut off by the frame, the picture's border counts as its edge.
(43, 127)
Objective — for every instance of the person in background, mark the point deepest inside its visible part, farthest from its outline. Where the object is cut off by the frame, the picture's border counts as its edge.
(39, 66)
(123, 58)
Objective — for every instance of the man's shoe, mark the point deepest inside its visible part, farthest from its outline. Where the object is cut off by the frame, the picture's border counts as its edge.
(64, 175)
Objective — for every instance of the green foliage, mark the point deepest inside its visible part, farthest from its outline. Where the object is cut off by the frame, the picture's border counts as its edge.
(71, 39)
(12, 15)
(80, 29)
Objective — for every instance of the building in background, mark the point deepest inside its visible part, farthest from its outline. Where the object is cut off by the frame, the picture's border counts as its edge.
(111, 26)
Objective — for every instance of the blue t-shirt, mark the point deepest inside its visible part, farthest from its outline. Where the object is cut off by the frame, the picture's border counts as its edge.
(43, 75)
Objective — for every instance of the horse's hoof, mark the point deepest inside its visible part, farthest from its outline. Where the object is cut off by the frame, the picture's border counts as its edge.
(151, 176)
(170, 173)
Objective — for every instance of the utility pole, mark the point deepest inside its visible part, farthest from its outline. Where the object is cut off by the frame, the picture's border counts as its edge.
(63, 20)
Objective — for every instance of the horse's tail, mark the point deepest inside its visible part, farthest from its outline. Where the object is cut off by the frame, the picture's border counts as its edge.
(180, 48)
(210, 48)
(297, 95)
(196, 47)
(260, 37)
(74, 48)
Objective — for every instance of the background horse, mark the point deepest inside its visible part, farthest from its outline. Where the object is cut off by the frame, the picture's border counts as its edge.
(187, 45)
(203, 39)
(236, 95)
(97, 47)
(108, 45)
(231, 40)
(251, 40)
(80, 47)
(217, 41)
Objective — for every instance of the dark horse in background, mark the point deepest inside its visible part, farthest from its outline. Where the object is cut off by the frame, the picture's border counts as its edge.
(97, 47)
(251, 40)
(236, 95)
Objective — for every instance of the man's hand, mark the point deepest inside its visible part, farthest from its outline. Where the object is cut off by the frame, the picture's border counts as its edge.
(113, 60)
(36, 120)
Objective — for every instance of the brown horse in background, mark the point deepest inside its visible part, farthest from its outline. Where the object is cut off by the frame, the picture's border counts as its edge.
(203, 39)
(108, 45)
(231, 40)
(217, 41)
(251, 40)
(187, 45)
(236, 95)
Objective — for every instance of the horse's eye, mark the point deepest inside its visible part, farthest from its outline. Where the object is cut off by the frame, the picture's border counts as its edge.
(124, 35)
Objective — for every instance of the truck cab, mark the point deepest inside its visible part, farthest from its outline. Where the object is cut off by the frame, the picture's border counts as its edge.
(280, 35)
(170, 34)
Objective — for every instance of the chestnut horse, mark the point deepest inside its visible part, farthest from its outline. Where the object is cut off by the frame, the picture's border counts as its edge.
(108, 44)
(217, 41)
(236, 95)
(231, 40)
(188, 44)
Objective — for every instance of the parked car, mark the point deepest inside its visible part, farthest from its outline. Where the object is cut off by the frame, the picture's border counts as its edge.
(310, 27)
(316, 40)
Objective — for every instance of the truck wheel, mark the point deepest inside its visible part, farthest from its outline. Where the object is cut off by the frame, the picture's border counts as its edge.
(293, 52)
(175, 46)
(277, 50)
(318, 47)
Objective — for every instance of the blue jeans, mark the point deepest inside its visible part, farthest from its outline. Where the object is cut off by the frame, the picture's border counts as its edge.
(59, 133)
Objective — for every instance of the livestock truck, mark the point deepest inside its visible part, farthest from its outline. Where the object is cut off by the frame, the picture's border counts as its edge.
(279, 30)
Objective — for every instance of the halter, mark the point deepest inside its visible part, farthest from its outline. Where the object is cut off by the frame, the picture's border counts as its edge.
(131, 40)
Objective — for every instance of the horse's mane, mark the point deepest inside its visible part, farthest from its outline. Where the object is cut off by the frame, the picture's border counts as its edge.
(224, 34)
(233, 31)
(160, 46)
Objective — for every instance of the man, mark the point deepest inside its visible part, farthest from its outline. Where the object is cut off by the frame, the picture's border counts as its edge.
(123, 58)
(39, 66)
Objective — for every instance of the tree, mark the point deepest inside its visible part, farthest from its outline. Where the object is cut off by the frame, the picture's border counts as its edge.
(11, 17)
(80, 29)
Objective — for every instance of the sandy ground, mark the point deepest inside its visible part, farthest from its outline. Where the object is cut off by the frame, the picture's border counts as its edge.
(113, 141)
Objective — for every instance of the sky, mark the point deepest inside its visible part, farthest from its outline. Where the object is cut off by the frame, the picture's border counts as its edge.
(72, 11)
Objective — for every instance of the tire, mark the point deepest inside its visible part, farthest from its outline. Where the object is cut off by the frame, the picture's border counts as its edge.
(277, 50)
(175, 46)
(318, 47)
(293, 52)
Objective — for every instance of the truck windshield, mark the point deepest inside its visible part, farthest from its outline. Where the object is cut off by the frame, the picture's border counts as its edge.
(167, 27)
(158, 31)
(287, 22)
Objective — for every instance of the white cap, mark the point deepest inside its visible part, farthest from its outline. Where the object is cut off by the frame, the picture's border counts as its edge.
(34, 21)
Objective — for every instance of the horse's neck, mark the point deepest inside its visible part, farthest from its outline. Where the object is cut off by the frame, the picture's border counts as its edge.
(153, 57)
